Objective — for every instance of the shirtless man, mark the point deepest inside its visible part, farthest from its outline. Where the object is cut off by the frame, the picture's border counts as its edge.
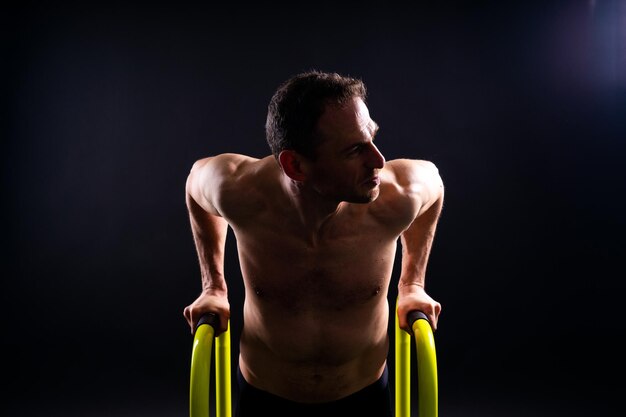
(316, 225)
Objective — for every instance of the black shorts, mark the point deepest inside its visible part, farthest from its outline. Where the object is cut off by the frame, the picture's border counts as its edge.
(372, 401)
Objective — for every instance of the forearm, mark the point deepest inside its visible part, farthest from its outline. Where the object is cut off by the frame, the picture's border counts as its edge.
(417, 242)
(209, 234)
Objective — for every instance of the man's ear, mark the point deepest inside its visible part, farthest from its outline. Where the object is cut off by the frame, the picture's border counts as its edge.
(292, 164)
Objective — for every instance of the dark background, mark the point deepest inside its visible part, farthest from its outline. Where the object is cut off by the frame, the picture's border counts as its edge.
(521, 105)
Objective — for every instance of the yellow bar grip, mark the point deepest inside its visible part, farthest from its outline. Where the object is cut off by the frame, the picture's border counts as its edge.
(428, 395)
(223, 405)
(402, 371)
(199, 383)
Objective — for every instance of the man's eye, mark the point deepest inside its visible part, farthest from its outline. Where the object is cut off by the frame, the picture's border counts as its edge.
(357, 149)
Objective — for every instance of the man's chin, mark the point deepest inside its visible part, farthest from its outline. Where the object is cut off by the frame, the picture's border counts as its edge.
(365, 198)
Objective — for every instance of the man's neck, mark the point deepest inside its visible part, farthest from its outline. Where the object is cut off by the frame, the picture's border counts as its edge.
(314, 210)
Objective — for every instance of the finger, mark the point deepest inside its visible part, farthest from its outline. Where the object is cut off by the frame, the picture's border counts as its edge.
(434, 317)
(190, 319)
(403, 321)
(194, 322)
(223, 322)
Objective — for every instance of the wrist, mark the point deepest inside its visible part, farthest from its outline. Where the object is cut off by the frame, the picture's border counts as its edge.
(214, 289)
(408, 287)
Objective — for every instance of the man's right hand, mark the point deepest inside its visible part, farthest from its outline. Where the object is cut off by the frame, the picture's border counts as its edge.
(208, 303)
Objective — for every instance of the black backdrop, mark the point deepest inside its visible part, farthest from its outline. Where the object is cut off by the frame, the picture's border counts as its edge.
(521, 105)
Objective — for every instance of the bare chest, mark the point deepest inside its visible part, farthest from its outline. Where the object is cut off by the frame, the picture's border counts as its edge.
(348, 266)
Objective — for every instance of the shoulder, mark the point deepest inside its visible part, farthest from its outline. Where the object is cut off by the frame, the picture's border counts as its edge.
(220, 166)
(419, 180)
(411, 172)
(230, 167)
(408, 188)
(215, 182)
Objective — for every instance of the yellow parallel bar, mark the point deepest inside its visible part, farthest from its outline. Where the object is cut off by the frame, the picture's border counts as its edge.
(199, 383)
(428, 395)
(402, 371)
(222, 374)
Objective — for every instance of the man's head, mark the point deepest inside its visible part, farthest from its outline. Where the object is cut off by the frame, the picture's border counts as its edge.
(297, 105)
(322, 135)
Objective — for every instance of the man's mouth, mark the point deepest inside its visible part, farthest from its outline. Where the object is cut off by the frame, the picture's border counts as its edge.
(372, 181)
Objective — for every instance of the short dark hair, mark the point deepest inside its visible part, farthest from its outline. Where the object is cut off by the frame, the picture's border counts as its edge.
(297, 105)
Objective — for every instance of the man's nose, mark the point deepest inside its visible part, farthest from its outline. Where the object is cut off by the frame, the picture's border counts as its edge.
(376, 159)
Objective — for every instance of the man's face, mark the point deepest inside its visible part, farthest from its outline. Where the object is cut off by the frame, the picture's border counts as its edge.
(347, 164)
